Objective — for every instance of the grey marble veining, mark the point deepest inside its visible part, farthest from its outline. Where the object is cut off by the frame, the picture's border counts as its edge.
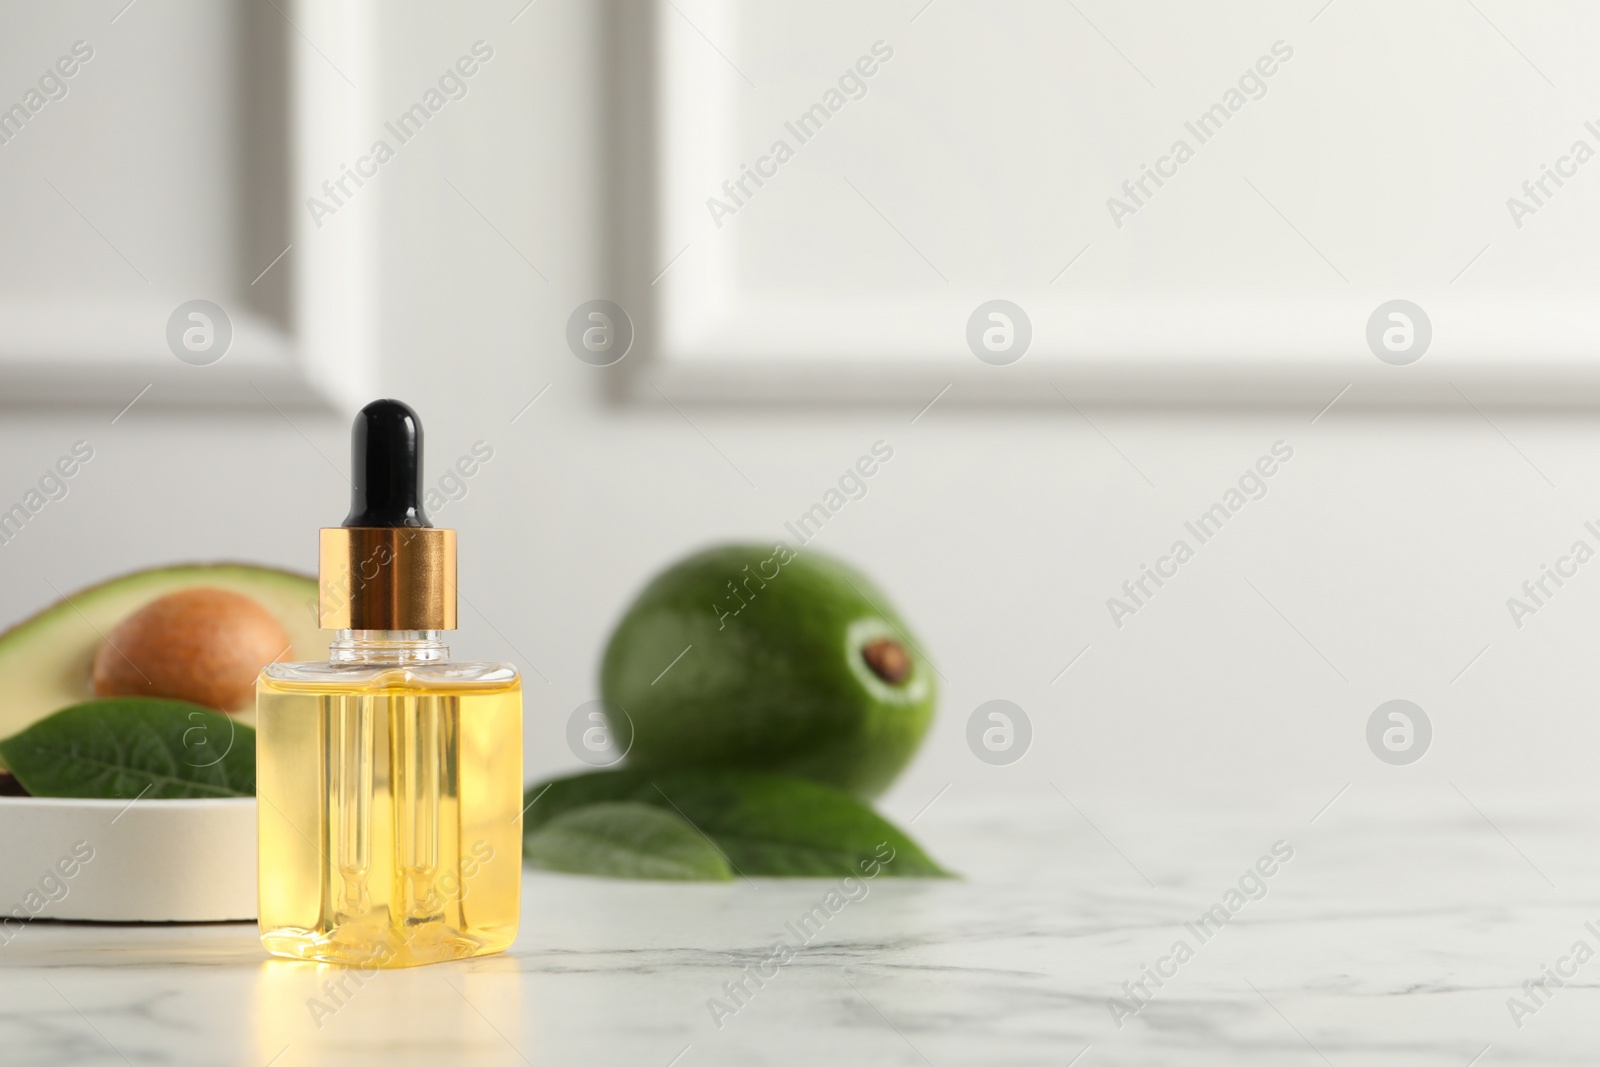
(1394, 935)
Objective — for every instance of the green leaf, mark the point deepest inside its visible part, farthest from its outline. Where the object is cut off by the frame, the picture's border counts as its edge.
(625, 840)
(765, 824)
(129, 747)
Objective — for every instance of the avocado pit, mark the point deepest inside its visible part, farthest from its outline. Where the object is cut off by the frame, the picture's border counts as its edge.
(204, 645)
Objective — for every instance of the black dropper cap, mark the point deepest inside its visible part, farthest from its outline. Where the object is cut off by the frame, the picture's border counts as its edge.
(386, 467)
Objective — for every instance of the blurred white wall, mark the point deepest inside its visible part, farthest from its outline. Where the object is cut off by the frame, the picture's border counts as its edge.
(1378, 565)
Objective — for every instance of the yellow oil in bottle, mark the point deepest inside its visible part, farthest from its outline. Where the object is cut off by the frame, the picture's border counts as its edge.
(389, 803)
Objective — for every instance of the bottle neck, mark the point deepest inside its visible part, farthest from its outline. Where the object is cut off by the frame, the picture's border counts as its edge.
(388, 647)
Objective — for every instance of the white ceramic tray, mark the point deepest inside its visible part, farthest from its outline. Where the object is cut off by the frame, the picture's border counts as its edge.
(112, 861)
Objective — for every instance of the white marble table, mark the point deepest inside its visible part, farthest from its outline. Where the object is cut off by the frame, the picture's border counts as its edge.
(1395, 935)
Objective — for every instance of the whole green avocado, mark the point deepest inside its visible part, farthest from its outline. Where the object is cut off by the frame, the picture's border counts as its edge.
(768, 658)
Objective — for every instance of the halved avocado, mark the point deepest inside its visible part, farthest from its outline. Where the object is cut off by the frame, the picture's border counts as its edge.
(45, 661)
